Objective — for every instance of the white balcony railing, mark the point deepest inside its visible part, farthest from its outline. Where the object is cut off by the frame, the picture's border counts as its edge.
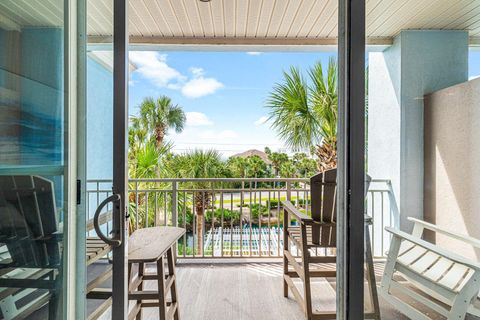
(232, 217)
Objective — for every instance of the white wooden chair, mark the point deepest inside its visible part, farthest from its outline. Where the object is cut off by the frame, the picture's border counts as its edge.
(437, 278)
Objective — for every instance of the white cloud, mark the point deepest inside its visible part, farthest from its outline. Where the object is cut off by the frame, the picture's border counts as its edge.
(153, 66)
(261, 120)
(197, 72)
(196, 119)
(473, 77)
(200, 86)
(254, 53)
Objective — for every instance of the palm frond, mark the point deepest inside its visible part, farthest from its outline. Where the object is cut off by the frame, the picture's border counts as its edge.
(293, 118)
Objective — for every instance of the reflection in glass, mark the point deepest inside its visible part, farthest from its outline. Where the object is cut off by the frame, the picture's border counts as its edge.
(32, 153)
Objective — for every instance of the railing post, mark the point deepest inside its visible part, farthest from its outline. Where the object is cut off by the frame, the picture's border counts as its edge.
(174, 204)
(289, 198)
(289, 191)
(174, 214)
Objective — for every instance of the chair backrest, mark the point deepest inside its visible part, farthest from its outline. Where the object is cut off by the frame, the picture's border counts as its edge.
(323, 188)
(323, 194)
(27, 214)
(324, 209)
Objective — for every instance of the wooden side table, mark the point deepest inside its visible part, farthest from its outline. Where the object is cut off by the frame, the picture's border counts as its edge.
(151, 245)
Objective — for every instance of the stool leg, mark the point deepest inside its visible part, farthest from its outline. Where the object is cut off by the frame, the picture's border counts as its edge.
(141, 272)
(162, 299)
(171, 273)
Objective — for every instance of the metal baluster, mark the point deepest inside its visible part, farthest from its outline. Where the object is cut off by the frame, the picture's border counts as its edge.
(250, 220)
(156, 209)
(278, 224)
(231, 225)
(136, 205)
(269, 206)
(221, 227)
(194, 222)
(260, 224)
(184, 223)
(146, 209)
(241, 219)
(165, 208)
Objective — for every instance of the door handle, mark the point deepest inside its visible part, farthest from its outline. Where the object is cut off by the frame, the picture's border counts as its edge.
(111, 241)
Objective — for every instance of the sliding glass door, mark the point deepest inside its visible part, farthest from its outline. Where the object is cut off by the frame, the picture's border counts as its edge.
(104, 173)
(38, 44)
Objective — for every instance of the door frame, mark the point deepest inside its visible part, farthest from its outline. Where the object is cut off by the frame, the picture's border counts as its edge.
(74, 219)
(351, 159)
(120, 149)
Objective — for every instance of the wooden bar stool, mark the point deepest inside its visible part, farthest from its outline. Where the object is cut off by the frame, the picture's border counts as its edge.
(151, 245)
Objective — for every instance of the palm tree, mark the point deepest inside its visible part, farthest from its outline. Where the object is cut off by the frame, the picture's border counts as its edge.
(256, 167)
(288, 170)
(238, 166)
(198, 164)
(304, 113)
(306, 167)
(159, 115)
(145, 162)
(277, 159)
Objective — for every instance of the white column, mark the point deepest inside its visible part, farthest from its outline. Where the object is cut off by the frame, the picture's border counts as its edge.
(418, 62)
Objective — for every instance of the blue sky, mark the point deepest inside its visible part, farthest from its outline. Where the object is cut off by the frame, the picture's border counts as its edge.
(223, 93)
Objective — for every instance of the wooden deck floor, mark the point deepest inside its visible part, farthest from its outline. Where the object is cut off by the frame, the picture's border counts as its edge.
(247, 291)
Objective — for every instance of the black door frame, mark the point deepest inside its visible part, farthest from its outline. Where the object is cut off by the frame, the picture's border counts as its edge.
(351, 159)
(120, 149)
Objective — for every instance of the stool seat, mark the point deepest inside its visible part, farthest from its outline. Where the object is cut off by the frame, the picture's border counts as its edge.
(152, 245)
(149, 244)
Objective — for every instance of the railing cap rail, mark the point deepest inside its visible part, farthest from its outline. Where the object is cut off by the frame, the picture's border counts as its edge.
(207, 180)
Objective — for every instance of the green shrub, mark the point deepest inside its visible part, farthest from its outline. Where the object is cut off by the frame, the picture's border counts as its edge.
(229, 216)
(273, 203)
(188, 217)
(257, 210)
(302, 202)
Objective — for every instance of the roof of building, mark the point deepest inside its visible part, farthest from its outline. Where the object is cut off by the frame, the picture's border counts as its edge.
(254, 152)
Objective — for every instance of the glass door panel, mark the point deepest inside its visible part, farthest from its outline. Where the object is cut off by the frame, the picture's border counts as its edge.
(105, 180)
(98, 154)
(35, 187)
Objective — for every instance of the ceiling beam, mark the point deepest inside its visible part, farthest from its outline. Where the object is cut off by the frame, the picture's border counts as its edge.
(154, 40)
(475, 41)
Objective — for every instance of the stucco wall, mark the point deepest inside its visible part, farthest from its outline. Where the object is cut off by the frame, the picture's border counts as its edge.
(99, 121)
(418, 62)
(452, 157)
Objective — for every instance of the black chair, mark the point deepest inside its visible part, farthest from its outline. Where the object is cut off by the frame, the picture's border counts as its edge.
(31, 268)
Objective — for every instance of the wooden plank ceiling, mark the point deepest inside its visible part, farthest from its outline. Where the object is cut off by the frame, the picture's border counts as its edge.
(250, 21)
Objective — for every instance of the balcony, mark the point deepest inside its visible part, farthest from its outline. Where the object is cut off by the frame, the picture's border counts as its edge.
(237, 272)
(232, 217)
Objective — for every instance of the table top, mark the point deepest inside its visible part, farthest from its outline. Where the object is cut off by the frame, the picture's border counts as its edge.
(150, 244)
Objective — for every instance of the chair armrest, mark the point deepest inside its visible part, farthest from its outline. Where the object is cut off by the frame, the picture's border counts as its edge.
(368, 220)
(470, 240)
(434, 248)
(303, 218)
